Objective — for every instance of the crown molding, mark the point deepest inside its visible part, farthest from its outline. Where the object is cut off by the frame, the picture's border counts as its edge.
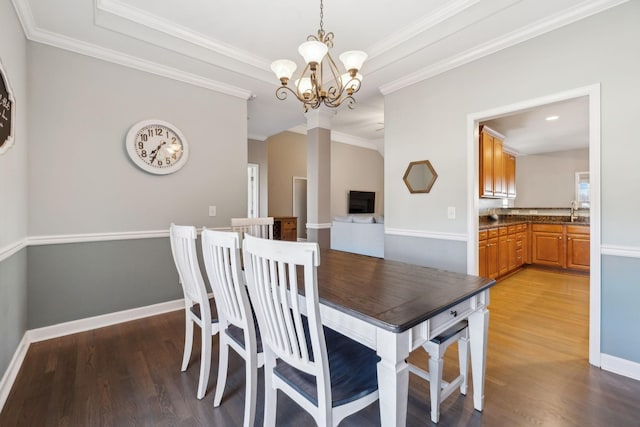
(122, 18)
(581, 11)
(443, 13)
(33, 33)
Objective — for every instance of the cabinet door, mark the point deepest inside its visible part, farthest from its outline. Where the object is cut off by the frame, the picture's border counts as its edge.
(482, 258)
(510, 175)
(492, 258)
(578, 252)
(499, 182)
(547, 248)
(503, 255)
(486, 165)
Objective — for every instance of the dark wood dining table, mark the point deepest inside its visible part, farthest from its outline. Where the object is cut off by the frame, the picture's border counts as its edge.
(394, 308)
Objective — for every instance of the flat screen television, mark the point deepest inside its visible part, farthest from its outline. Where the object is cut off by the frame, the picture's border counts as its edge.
(362, 202)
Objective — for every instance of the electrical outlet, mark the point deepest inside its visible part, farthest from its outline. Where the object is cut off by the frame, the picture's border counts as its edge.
(451, 212)
(212, 211)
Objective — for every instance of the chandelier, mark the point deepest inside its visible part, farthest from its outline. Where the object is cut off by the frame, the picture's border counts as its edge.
(321, 82)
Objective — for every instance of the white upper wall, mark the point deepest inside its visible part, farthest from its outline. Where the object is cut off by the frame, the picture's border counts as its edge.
(429, 120)
(548, 179)
(13, 163)
(81, 179)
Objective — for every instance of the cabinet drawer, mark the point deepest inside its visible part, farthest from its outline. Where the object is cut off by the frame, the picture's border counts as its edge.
(512, 229)
(551, 228)
(502, 231)
(492, 232)
(450, 316)
(577, 229)
(288, 225)
(482, 235)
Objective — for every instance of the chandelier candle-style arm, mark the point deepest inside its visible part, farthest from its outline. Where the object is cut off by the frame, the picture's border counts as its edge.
(321, 81)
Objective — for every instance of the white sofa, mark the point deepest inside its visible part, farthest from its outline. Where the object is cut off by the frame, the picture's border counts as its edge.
(364, 238)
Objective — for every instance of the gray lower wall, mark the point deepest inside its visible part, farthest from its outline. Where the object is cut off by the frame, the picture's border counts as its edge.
(78, 280)
(448, 255)
(13, 306)
(620, 312)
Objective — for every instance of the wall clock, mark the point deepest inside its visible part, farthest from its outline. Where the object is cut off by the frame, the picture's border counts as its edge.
(157, 146)
(7, 112)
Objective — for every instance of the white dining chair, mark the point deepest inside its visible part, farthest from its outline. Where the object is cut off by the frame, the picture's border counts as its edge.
(328, 374)
(221, 252)
(199, 308)
(439, 389)
(259, 227)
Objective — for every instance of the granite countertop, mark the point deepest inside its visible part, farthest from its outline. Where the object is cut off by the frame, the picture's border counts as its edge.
(486, 222)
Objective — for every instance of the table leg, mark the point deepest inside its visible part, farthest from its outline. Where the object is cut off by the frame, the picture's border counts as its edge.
(478, 329)
(393, 377)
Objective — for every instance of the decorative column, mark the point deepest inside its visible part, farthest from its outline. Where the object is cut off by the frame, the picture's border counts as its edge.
(319, 177)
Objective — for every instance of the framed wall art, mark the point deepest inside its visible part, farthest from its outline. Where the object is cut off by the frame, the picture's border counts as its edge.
(7, 112)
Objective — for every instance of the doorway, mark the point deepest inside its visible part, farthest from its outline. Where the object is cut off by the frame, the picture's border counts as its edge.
(473, 120)
(300, 205)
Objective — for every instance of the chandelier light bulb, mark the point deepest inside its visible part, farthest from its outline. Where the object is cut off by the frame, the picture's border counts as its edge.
(313, 51)
(283, 68)
(353, 60)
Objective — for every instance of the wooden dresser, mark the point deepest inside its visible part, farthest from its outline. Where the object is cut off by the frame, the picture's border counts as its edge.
(285, 228)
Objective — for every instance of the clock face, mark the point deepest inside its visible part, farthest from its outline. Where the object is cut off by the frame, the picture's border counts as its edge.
(157, 147)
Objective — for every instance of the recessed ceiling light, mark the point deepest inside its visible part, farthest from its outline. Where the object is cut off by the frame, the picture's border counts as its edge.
(551, 118)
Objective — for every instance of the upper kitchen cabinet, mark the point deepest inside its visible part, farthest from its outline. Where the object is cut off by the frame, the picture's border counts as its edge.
(497, 168)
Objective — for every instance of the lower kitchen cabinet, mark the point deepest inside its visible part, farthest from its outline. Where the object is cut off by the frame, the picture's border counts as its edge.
(547, 245)
(578, 244)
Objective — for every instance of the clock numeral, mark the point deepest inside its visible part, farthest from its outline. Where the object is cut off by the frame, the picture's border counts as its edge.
(159, 131)
(167, 161)
(140, 145)
(175, 156)
(143, 153)
(143, 137)
(150, 132)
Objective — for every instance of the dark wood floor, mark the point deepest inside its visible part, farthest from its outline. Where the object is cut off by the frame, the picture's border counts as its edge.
(129, 374)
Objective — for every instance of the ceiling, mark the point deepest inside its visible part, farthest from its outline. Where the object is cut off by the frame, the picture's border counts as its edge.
(530, 132)
(228, 46)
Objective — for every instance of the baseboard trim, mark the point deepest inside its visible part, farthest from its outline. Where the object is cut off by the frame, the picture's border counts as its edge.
(458, 237)
(12, 370)
(620, 366)
(95, 322)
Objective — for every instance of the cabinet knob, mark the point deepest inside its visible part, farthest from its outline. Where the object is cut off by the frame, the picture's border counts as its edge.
(559, 237)
(454, 313)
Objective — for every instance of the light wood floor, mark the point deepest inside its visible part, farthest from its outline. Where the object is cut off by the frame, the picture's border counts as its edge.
(129, 374)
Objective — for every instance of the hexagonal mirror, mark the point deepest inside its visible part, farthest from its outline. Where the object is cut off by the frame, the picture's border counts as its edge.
(420, 176)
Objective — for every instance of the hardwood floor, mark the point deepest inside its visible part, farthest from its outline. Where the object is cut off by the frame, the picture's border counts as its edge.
(129, 374)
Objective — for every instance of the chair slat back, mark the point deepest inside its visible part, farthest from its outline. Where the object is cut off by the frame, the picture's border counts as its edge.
(183, 247)
(273, 283)
(221, 252)
(259, 227)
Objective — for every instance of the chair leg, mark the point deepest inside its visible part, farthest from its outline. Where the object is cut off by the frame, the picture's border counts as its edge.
(205, 361)
(223, 366)
(463, 360)
(251, 392)
(270, 393)
(435, 370)
(188, 342)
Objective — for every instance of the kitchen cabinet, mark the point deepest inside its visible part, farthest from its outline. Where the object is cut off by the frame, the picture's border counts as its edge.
(500, 250)
(285, 228)
(562, 246)
(578, 244)
(488, 253)
(497, 168)
(547, 245)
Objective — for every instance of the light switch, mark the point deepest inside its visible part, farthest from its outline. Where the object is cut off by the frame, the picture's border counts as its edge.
(212, 211)
(451, 212)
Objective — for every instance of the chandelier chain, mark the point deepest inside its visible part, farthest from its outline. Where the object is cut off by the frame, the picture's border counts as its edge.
(321, 17)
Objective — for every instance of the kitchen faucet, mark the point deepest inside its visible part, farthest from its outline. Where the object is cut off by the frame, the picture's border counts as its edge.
(574, 208)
